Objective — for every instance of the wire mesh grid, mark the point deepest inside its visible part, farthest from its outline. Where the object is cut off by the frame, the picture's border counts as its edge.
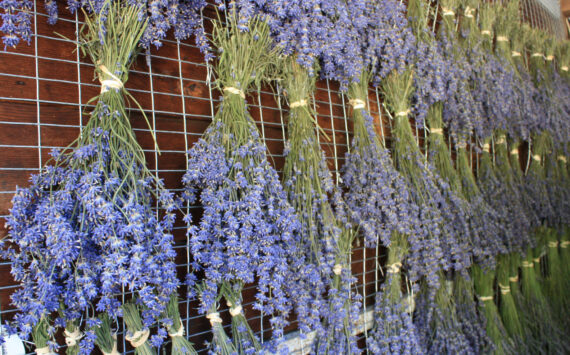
(46, 87)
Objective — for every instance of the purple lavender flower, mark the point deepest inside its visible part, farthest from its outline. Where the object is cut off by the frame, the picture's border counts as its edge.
(162, 15)
(79, 236)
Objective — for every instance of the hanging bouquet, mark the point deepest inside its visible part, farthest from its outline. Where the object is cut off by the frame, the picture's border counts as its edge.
(248, 231)
(327, 238)
(380, 203)
(86, 229)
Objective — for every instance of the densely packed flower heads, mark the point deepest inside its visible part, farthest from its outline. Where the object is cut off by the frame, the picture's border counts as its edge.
(506, 201)
(384, 40)
(77, 238)
(161, 15)
(439, 327)
(462, 112)
(394, 332)
(377, 195)
(248, 229)
(431, 79)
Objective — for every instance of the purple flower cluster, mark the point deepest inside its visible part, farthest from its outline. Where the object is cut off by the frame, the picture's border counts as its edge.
(248, 231)
(326, 228)
(394, 333)
(431, 79)
(16, 21)
(78, 237)
(505, 199)
(384, 41)
(439, 327)
(462, 110)
(342, 37)
(162, 15)
(377, 196)
(495, 88)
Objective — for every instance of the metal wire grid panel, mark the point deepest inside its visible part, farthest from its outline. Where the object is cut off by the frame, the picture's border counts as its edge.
(44, 91)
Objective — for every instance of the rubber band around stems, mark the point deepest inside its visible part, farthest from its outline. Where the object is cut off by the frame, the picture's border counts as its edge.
(536, 157)
(436, 131)
(486, 147)
(337, 270)
(500, 140)
(537, 54)
(236, 311)
(469, 12)
(113, 83)
(515, 151)
(553, 244)
(502, 39)
(447, 12)
(138, 338)
(536, 260)
(564, 244)
(179, 332)
(234, 91)
(299, 103)
(72, 338)
(504, 289)
(403, 113)
(549, 58)
(562, 158)
(486, 298)
(516, 54)
(564, 68)
(44, 350)
(527, 264)
(486, 33)
(357, 104)
(114, 351)
(394, 268)
(514, 278)
(214, 318)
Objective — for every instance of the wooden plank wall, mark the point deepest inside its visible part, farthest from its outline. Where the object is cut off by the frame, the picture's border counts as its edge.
(45, 87)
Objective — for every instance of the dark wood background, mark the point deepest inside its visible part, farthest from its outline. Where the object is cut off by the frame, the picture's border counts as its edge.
(45, 86)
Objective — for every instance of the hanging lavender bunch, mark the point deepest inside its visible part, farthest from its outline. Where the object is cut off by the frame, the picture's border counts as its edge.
(327, 233)
(160, 16)
(248, 230)
(102, 232)
(394, 332)
(435, 310)
(380, 205)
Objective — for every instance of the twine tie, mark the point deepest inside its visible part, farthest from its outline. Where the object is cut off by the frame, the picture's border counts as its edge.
(299, 103)
(112, 83)
(137, 338)
(72, 338)
(357, 104)
(394, 268)
(179, 332)
(234, 91)
(214, 318)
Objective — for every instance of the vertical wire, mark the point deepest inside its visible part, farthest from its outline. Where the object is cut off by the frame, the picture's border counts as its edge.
(265, 143)
(345, 123)
(333, 133)
(381, 123)
(79, 95)
(281, 114)
(316, 117)
(78, 58)
(155, 148)
(36, 62)
(186, 148)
